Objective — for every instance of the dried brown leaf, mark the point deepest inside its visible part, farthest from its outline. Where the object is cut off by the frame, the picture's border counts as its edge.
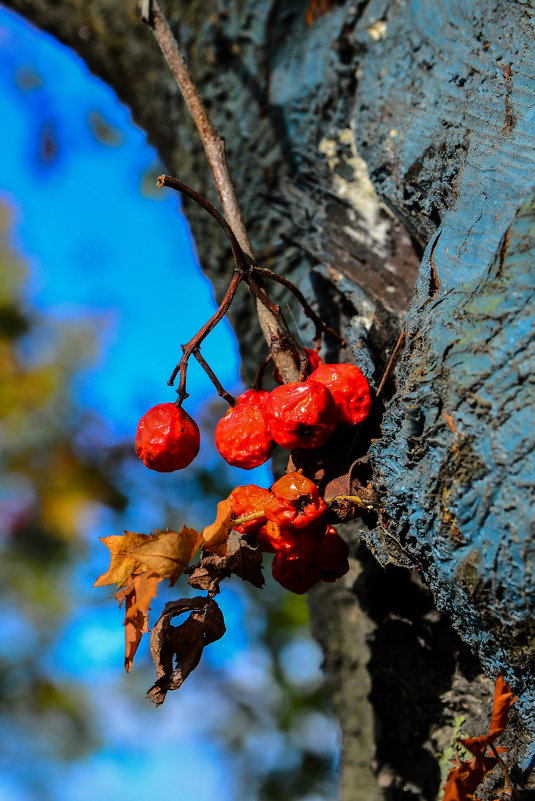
(244, 559)
(166, 553)
(136, 596)
(215, 536)
(176, 650)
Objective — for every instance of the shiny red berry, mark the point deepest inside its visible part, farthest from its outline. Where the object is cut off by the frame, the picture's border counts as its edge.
(299, 571)
(329, 561)
(291, 572)
(167, 438)
(256, 397)
(296, 503)
(249, 500)
(242, 436)
(301, 414)
(350, 390)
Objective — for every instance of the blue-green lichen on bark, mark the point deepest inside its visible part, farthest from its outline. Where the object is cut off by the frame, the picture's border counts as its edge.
(461, 485)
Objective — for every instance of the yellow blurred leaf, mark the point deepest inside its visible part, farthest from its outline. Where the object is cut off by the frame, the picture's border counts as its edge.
(166, 553)
(215, 536)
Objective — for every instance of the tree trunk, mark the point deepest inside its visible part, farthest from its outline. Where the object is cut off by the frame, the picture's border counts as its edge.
(385, 134)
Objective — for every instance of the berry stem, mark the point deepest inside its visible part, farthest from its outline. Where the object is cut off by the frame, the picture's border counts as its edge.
(321, 327)
(230, 399)
(246, 518)
(393, 357)
(273, 325)
(503, 767)
(195, 342)
(175, 183)
(257, 383)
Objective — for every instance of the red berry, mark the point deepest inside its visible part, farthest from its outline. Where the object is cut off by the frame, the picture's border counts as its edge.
(256, 397)
(242, 436)
(246, 501)
(292, 574)
(296, 503)
(330, 559)
(301, 414)
(167, 438)
(298, 572)
(291, 541)
(350, 390)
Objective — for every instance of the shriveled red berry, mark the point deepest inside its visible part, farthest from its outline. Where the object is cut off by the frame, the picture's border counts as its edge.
(301, 414)
(242, 436)
(291, 573)
(350, 390)
(256, 397)
(297, 541)
(248, 500)
(296, 503)
(299, 572)
(167, 438)
(329, 561)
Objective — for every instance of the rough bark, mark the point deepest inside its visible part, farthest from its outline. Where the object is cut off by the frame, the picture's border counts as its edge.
(385, 128)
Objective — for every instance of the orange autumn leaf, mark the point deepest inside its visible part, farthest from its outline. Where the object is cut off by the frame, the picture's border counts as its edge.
(465, 777)
(215, 536)
(136, 597)
(166, 553)
(503, 701)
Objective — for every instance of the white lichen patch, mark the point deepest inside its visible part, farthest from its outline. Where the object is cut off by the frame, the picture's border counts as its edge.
(372, 223)
(377, 30)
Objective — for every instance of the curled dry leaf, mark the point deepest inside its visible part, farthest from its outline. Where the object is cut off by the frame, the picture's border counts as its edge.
(176, 650)
(465, 777)
(166, 553)
(215, 536)
(244, 559)
(136, 597)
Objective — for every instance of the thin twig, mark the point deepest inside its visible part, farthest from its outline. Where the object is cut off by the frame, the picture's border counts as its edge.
(321, 327)
(257, 383)
(388, 368)
(195, 342)
(501, 763)
(214, 145)
(179, 186)
(274, 327)
(230, 399)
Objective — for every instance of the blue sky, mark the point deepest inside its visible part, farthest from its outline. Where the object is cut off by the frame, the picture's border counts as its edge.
(95, 242)
(98, 246)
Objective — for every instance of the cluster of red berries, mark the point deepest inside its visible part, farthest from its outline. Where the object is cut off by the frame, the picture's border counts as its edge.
(302, 414)
(289, 521)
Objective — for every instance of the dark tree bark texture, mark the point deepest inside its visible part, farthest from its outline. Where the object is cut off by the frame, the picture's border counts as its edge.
(384, 157)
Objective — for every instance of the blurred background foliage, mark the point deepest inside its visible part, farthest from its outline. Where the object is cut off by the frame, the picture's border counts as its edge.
(254, 721)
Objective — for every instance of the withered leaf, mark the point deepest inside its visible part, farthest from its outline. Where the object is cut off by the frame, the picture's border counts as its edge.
(215, 536)
(244, 559)
(176, 650)
(166, 553)
(503, 701)
(136, 597)
(465, 777)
